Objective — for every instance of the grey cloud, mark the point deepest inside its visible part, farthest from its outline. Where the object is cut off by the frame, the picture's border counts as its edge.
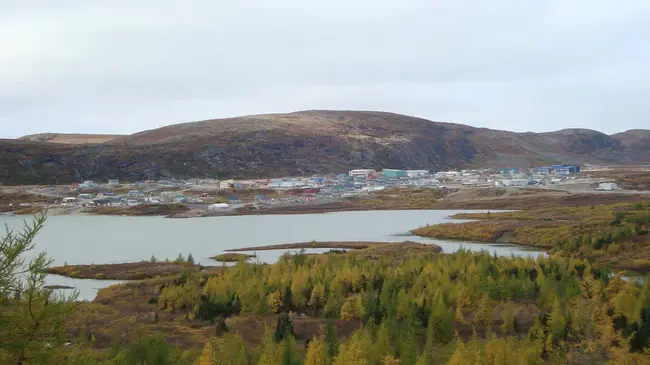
(123, 66)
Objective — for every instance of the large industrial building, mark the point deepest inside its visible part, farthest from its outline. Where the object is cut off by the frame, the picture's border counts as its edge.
(394, 173)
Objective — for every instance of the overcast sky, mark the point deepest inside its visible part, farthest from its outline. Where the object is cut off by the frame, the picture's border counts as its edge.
(124, 66)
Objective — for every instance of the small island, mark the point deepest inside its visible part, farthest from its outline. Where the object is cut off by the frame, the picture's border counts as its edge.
(232, 257)
(122, 271)
(372, 250)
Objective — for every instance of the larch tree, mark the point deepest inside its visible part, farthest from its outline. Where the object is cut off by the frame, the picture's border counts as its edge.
(317, 297)
(316, 352)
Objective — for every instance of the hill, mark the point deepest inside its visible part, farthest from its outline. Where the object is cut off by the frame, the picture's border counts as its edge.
(308, 142)
(67, 138)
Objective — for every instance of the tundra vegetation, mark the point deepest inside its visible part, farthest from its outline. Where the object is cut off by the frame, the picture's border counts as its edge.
(615, 235)
(364, 306)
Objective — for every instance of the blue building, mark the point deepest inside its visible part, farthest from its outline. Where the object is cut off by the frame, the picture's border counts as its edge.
(394, 173)
(566, 169)
(558, 169)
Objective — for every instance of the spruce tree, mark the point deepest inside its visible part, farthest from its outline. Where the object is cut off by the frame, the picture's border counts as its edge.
(32, 318)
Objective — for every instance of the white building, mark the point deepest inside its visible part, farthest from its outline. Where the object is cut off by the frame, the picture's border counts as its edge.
(417, 173)
(361, 172)
(514, 182)
(218, 206)
(113, 182)
(608, 186)
(226, 184)
(446, 174)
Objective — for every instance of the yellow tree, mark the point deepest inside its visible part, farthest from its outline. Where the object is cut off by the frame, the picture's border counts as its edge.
(206, 357)
(352, 308)
(269, 353)
(354, 351)
(316, 352)
(274, 301)
(317, 296)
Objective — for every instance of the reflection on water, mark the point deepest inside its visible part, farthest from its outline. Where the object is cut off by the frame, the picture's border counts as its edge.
(86, 289)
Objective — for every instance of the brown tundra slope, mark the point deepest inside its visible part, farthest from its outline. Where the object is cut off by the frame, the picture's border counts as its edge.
(304, 143)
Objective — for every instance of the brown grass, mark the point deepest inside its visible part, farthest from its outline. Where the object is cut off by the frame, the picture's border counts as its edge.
(140, 210)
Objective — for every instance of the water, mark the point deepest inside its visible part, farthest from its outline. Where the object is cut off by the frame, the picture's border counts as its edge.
(109, 239)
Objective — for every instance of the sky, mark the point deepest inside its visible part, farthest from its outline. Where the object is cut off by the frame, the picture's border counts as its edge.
(118, 66)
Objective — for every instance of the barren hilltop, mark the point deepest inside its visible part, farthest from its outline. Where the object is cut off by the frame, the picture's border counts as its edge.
(306, 142)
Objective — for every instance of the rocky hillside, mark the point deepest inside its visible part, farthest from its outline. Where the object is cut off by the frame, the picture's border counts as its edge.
(304, 143)
(67, 138)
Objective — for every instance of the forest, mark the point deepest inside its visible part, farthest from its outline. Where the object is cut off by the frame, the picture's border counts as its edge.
(340, 307)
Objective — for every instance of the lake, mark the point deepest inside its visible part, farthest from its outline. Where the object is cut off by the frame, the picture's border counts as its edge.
(78, 239)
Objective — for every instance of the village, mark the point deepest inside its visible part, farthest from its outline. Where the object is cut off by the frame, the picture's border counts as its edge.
(227, 194)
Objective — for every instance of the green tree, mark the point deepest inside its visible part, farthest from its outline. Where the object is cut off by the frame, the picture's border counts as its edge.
(283, 328)
(179, 259)
(32, 318)
(557, 322)
(331, 340)
(441, 323)
(290, 354)
(190, 259)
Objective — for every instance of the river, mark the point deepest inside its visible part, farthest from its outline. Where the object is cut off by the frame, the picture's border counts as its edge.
(79, 239)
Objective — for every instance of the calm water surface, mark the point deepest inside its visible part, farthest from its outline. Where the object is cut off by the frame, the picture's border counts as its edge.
(108, 239)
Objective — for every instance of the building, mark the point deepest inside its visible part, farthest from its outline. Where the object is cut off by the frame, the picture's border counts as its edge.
(417, 173)
(136, 193)
(285, 183)
(218, 206)
(180, 198)
(607, 186)
(88, 184)
(446, 174)
(361, 172)
(226, 184)
(566, 169)
(113, 182)
(515, 182)
(393, 173)
(558, 169)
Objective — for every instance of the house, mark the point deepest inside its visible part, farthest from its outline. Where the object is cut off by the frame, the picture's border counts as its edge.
(180, 198)
(218, 206)
(113, 182)
(136, 193)
(226, 184)
(608, 186)
(103, 202)
(88, 184)
(233, 199)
